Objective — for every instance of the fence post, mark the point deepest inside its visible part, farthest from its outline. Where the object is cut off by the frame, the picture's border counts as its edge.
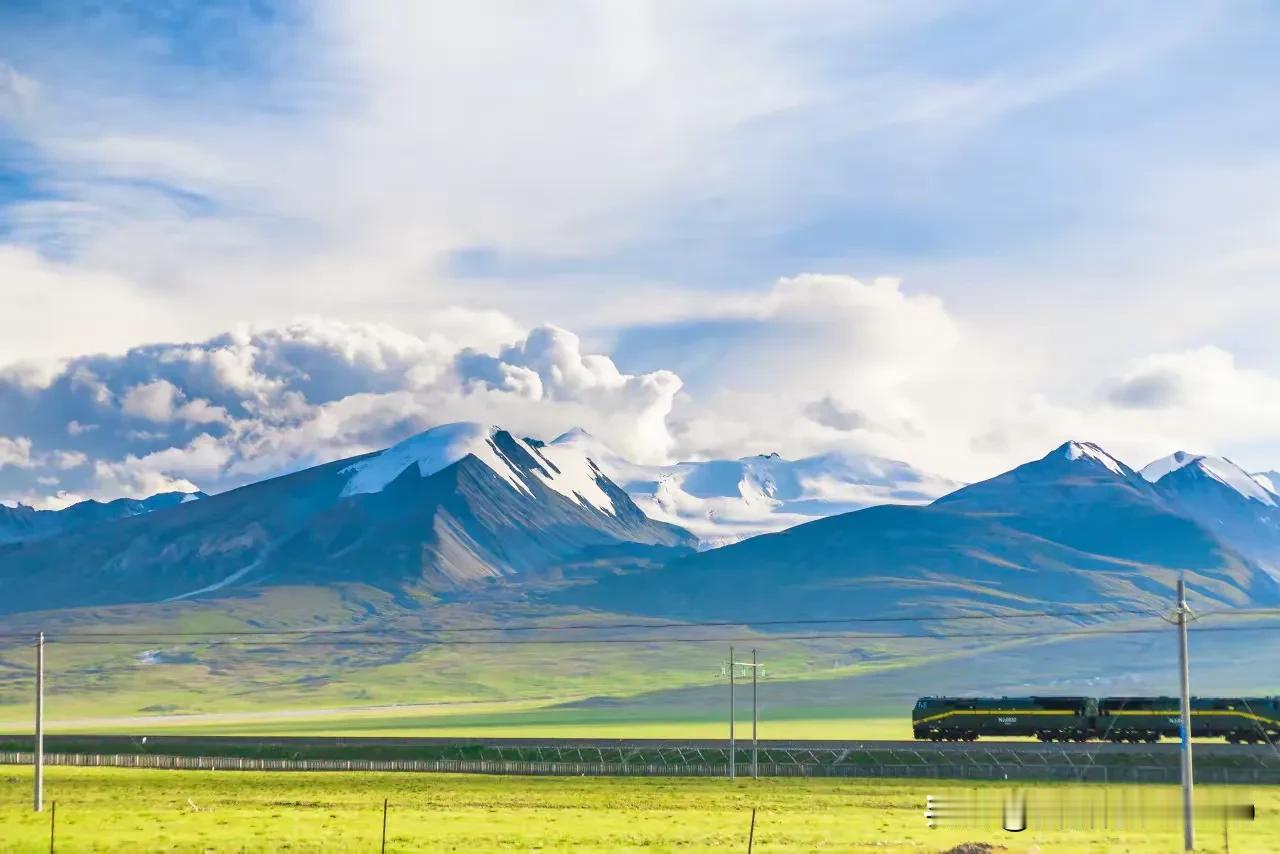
(751, 839)
(53, 823)
(384, 826)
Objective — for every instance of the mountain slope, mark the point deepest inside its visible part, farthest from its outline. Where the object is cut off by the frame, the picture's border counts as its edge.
(723, 501)
(26, 523)
(1074, 528)
(443, 510)
(1238, 507)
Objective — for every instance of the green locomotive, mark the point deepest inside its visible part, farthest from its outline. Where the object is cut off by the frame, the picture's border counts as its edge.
(1116, 719)
(966, 719)
(1237, 719)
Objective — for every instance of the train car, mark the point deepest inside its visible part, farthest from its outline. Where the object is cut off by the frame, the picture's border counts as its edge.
(1237, 719)
(969, 718)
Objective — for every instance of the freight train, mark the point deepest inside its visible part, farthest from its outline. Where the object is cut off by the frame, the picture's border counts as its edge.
(1132, 719)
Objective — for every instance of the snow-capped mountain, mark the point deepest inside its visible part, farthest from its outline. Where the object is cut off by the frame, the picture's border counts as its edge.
(1241, 508)
(1076, 527)
(22, 523)
(1270, 480)
(447, 509)
(723, 501)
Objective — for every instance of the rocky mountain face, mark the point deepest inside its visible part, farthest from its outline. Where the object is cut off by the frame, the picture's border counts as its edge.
(443, 510)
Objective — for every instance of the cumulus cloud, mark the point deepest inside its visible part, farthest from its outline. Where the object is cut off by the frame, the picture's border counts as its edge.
(15, 452)
(549, 365)
(783, 368)
(814, 362)
(252, 403)
(162, 401)
(1203, 380)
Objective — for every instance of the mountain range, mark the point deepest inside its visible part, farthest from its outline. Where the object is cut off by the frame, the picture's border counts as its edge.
(27, 523)
(1075, 528)
(448, 508)
(467, 526)
(724, 501)
(464, 505)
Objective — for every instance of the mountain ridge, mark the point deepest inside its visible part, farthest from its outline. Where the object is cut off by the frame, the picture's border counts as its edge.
(460, 524)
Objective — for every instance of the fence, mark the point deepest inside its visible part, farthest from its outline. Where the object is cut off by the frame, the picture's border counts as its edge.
(1066, 773)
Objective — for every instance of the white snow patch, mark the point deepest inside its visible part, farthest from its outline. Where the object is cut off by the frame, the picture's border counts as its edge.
(1090, 451)
(577, 478)
(1166, 465)
(568, 472)
(1221, 469)
(189, 497)
(432, 451)
(724, 501)
(1270, 481)
(230, 579)
(1230, 474)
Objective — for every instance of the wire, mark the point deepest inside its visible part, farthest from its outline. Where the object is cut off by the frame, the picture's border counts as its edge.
(422, 642)
(686, 624)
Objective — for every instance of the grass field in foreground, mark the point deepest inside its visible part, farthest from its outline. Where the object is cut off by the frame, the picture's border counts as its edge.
(128, 810)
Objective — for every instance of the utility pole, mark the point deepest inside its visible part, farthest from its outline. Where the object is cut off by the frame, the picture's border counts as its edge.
(732, 744)
(755, 764)
(1183, 613)
(731, 666)
(39, 746)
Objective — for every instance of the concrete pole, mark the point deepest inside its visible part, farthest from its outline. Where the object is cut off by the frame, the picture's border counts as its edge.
(732, 744)
(1188, 800)
(755, 763)
(39, 746)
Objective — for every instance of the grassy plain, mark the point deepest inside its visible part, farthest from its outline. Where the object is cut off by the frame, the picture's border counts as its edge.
(131, 810)
(503, 721)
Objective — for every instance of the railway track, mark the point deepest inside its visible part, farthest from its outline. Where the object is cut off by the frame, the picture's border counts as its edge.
(156, 743)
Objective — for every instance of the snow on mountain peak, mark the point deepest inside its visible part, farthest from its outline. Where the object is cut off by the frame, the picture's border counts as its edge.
(1165, 465)
(431, 451)
(562, 469)
(575, 434)
(1233, 477)
(1270, 481)
(1089, 451)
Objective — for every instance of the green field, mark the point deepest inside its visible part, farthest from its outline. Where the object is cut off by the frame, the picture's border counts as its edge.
(515, 720)
(128, 810)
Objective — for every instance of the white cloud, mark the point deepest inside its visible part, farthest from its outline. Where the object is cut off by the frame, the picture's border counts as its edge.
(66, 459)
(153, 401)
(15, 452)
(249, 404)
(549, 365)
(56, 310)
(18, 92)
(162, 401)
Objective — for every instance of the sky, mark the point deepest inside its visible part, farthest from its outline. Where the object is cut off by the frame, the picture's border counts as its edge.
(242, 237)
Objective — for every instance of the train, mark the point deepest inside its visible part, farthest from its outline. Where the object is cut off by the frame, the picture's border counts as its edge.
(1240, 720)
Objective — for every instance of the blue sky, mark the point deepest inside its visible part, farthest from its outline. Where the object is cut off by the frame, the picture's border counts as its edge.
(978, 225)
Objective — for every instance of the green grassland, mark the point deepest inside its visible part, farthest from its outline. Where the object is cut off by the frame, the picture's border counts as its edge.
(405, 687)
(130, 810)
(166, 677)
(557, 722)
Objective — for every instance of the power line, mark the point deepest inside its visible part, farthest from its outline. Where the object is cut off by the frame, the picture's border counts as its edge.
(442, 642)
(683, 624)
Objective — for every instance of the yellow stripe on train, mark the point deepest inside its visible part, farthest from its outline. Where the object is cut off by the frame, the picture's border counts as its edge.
(1064, 713)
